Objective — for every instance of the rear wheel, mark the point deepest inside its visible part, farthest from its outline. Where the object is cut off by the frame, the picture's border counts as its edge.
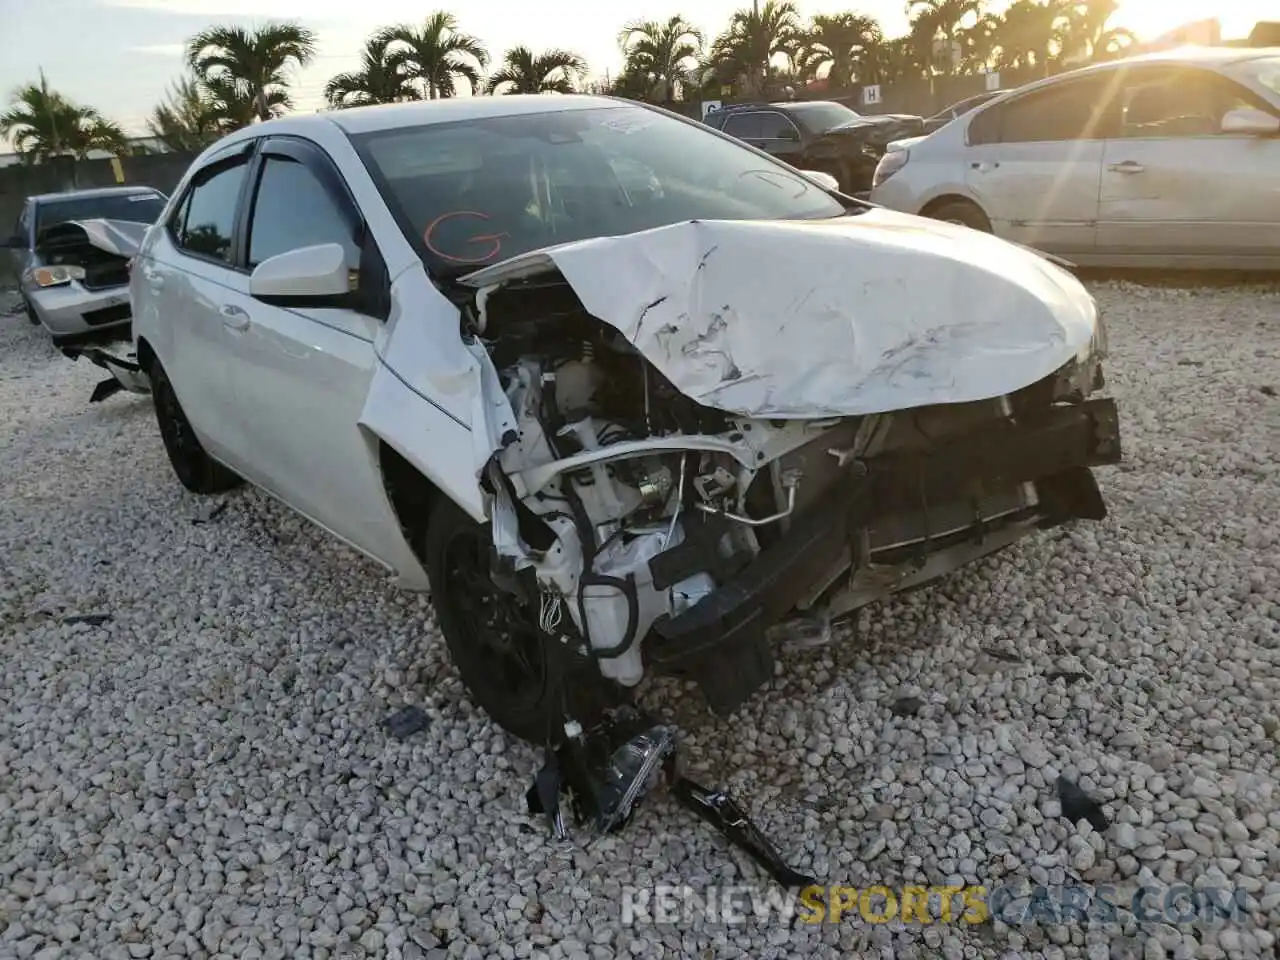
(196, 470)
(522, 678)
(961, 212)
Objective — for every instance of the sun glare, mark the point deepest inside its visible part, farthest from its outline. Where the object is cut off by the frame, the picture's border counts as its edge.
(1151, 18)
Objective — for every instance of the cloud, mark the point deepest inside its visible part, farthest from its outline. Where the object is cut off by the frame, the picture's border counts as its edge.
(311, 10)
(162, 49)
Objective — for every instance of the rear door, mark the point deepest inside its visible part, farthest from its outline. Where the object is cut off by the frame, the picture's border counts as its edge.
(301, 373)
(1034, 163)
(187, 277)
(1174, 185)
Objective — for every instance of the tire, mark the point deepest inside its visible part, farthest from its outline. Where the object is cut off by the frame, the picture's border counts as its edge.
(523, 679)
(961, 212)
(196, 470)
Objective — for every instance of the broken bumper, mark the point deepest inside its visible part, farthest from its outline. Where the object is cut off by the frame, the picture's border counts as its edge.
(126, 373)
(720, 640)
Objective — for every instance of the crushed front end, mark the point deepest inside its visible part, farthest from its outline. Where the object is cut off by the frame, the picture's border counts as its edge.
(655, 534)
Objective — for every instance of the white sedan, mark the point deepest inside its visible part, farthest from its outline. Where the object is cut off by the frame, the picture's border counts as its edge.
(1165, 160)
(622, 391)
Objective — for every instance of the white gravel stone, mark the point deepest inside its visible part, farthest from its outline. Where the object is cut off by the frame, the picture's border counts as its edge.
(205, 775)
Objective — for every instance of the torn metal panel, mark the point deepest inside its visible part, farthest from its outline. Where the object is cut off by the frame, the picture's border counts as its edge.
(427, 435)
(862, 314)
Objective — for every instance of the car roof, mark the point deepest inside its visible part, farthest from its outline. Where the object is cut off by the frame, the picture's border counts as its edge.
(1209, 57)
(1198, 55)
(356, 120)
(92, 193)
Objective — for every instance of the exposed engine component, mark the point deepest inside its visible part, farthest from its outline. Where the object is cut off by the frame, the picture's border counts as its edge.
(603, 523)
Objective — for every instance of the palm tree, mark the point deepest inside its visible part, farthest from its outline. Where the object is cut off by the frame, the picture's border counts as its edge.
(382, 78)
(189, 119)
(1029, 32)
(946, 16)
(1112, 43)
(45, 124)
(980, 44)
(523, 71)
(252, 63)
(839, 42)
(754, 37)
(660, 53)
(1086, 35)
(437, 55)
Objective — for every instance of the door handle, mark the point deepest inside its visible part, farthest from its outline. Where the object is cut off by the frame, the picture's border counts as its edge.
(234, 318)
(1126, 166)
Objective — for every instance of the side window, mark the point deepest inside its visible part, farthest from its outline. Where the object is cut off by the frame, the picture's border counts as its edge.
(292, 209)
(744, 126)
(1179, 103)
(208, 214)
(1076, 110)
(985, 126)
(774, 126)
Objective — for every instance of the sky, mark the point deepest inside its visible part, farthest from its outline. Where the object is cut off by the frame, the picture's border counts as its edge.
(121, 55)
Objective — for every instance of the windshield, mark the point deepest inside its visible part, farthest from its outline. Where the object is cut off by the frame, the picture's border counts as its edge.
(823, 116)
(140, 207)
(479, 191)
(1263, 70)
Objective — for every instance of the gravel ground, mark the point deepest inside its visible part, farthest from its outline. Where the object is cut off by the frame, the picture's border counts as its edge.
(203, 774)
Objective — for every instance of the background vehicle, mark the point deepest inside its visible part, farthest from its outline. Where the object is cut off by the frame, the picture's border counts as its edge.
(600, 466)
(1169, 159)
(817, 135)
(959, 109)
(67, 283)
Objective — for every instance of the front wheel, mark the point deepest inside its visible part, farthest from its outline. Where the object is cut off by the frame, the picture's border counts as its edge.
(196, 470)
(524, 679)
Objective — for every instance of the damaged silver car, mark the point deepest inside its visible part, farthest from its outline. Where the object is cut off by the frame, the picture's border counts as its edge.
(71, 252)
(623, 392)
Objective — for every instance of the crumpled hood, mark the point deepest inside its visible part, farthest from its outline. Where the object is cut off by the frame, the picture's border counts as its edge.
(862, 314)
(121, 237)
(879, 120)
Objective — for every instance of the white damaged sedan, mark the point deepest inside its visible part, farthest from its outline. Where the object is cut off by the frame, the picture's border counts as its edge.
(621, 391)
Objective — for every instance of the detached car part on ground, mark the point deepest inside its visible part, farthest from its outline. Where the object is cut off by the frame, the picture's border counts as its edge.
(630, 455)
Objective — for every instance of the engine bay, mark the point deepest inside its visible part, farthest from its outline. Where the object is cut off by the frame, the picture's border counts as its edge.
(580, 390)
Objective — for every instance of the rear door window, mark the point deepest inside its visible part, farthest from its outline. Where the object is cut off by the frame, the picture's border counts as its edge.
(745, 126)
(207, 227)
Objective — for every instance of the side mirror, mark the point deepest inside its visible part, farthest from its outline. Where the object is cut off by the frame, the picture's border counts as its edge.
(822, 179)
(307, 277)
(1250, 121)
